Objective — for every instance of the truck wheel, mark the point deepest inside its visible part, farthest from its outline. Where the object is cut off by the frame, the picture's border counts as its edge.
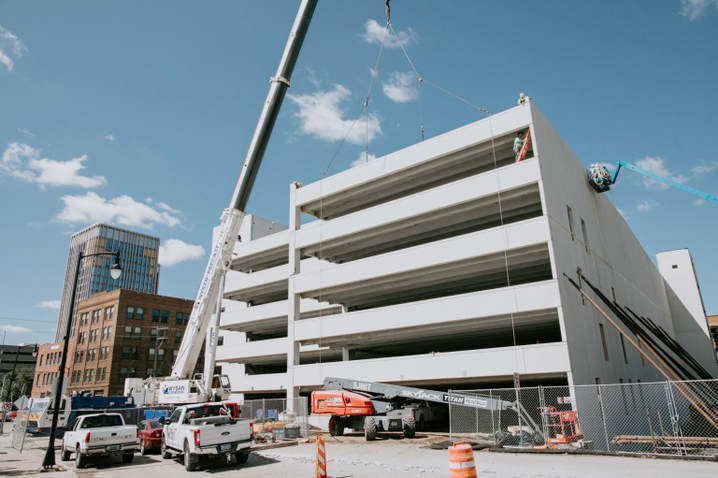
(409, 427)
(128, 457)
(242, 457)
(188, 465)
(370, 429)
(65, 456)
(80, 459)
(166, 455)
(336, 426)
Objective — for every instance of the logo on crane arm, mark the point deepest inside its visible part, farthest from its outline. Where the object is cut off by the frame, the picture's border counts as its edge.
(421, 394)
(361, 386)
(208, 274)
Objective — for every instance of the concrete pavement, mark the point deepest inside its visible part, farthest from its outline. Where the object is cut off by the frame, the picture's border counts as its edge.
(351, 456)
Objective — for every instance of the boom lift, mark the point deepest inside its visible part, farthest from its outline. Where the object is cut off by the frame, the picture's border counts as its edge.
(601, 180)
(180, 386)
(373, 407)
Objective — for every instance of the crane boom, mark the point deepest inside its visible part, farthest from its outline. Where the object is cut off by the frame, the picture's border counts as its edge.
(601, 180)
(223, 248)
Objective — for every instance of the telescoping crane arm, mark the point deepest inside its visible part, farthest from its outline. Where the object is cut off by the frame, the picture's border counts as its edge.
(210, 289)
(388, 392)
(601, 180)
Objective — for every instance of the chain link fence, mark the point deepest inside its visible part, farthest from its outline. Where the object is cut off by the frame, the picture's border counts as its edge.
(670, 418)
(19, 429)
(277, 419)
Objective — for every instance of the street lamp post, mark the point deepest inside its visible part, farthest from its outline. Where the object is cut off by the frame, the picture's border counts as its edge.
(115, 273)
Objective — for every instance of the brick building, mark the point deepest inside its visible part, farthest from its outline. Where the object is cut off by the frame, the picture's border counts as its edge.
(117, 335)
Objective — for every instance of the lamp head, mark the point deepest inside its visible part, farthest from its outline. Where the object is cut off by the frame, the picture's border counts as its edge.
(116, 270)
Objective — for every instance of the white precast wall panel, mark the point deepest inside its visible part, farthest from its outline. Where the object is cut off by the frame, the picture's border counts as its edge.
(679, 271)
(615, 259)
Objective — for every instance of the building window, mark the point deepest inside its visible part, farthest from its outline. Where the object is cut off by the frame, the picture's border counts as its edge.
(178, 336)
(135, 353)
(165, 314)
(220, 341)
(138, 333)
(128, 332)
(585, 237)
(570, 224)
(186, 319)
(125, 353)
(155, 315)
(109, 312)
(41, 357)
(178, 318)
(603, 341)
(152, 355)
(81, 337)
(140, 313)
(91, 373)
(123, 374)
(161, 355)
(174, 355)
(91, 355)
(130, 312)
(162, 334)
(153, 335)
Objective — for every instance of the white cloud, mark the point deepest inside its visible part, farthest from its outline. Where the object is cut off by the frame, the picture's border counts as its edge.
(703, 168)
(14, 329)
(699, 202)
(374, 34)
(658, 166)
(110, 137)
(8, 42)
(362, 159)
(167, 207)
(174, 251)
(123, 210)
(647, 205)
(696, 9)
(321, 115)
(401, 87)
(49, 304)
(25, 131)
(21, 161)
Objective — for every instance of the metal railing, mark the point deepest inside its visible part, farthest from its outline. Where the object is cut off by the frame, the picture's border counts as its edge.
(19, 430)
(277, 418)
(666, 418)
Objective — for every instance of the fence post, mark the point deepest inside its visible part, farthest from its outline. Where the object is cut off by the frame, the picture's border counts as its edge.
(518, 412)
(675, 418)
(493, 425)
(603, 416)
(542, 405)
(451, 424)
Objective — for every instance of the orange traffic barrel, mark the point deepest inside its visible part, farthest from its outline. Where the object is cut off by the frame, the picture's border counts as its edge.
(461, 461)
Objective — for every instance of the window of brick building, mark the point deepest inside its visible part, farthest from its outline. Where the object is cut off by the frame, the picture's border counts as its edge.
(155, 315)
(130, 312)
(140, 313)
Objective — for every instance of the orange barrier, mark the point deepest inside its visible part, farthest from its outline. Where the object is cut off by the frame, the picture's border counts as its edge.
(321, 469)
(461, 461)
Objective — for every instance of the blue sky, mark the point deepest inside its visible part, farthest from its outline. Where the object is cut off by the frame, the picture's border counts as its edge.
(140, 114)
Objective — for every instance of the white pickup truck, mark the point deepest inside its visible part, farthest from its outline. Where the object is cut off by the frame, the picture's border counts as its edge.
(205, 431)
(425, 412)
(101, 434)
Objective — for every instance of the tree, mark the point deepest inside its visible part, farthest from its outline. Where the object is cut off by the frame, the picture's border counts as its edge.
(22, 385)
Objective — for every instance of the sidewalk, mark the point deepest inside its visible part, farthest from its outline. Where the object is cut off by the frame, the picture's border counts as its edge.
(29, 462)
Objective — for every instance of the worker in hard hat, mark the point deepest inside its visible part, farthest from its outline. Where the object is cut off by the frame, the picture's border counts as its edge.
(522, 99)
(518, 142)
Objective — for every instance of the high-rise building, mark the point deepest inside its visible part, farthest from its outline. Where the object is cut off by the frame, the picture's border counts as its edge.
(447, 265)
(138, 259)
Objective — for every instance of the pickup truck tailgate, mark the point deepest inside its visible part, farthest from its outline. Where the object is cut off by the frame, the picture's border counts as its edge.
(223, 433)
(110, 436)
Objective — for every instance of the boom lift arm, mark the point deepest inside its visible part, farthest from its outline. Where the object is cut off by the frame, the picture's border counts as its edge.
(210, 290)
(600, 180)
(383, 394)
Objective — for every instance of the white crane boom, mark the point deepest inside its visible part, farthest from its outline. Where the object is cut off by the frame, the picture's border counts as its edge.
(211, 287)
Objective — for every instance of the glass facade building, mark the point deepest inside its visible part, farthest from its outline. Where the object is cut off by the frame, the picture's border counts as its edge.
(138, 259)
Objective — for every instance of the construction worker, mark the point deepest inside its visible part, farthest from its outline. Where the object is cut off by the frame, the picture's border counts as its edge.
(522, 99)
(518, 142)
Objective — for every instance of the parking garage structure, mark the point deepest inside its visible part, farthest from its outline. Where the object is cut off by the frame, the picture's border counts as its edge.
(435, 265)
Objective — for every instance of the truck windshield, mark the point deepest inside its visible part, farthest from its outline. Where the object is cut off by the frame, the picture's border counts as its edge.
(102, 421)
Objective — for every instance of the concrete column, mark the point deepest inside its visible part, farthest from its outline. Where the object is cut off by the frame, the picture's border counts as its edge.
(345, 354)
(293, 307)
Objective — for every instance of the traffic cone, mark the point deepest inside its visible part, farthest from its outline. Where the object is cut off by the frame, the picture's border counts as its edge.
(461, 461)
(321, 467)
